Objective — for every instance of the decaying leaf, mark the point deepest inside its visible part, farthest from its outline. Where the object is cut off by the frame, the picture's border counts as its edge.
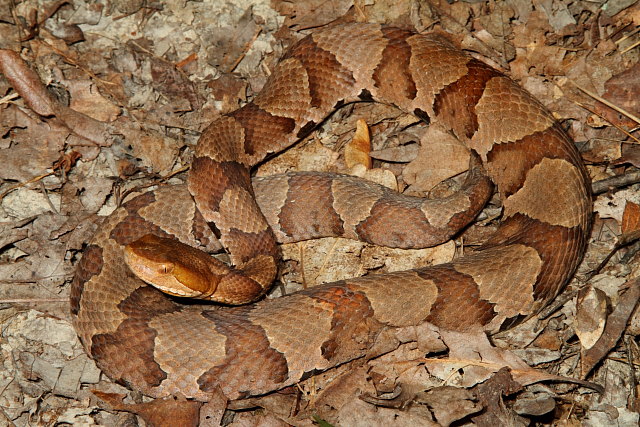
(550, 43)
(450, 404)
(356, 152)
(614, 328)
(630, 223)
(536, 404)
(491, 393)
(26, 82)
(472, 360)
(441, 156)
(591, 315)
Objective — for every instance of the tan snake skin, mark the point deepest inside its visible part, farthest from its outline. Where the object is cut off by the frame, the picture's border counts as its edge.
(150, 342)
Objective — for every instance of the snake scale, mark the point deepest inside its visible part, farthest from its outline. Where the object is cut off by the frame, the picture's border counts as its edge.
(149, 341)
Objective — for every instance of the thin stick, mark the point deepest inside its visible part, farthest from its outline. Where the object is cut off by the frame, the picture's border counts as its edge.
(22, 184)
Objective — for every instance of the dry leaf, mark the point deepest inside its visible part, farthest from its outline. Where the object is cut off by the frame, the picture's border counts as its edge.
(490, 395)
(630, 155)
(441, 156)
(311, 13)
(383, 177)
(616, 324)
(441, 402)
(591, 315)
(26, 82)
(472, 360)
(86, 99)
(400, 154)
(356, 152)
(630, 222)
(622, 91)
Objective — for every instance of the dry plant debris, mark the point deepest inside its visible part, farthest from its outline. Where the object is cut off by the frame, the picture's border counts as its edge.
(101, 99)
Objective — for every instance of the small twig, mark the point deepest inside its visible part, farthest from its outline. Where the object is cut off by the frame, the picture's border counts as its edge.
(32, 300)
(631, 252)
(46, 196)
(632, 372)
(626, 36)
(11, 96)
(22, 184)
(556, 305)
(636, 44)
(607, 184)
(245, 49)
(162, 179)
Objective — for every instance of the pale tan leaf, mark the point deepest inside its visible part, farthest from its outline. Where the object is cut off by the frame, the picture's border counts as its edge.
(441, 156)
(357, 150)
(591, 315)
(86, 99)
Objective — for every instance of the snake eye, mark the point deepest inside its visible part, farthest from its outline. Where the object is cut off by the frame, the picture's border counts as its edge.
(165, 268)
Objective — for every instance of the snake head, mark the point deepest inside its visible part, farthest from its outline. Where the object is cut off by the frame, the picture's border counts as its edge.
(172, 267)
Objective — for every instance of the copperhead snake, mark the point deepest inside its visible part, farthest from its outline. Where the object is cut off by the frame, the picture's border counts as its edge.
(141, 337)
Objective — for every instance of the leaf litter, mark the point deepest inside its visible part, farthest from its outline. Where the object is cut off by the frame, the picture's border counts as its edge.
(98, 100)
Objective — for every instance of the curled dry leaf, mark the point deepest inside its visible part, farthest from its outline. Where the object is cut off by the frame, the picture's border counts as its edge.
(26, 82)
(357, 150)
(616, 324)
(79, 127)
(591, 315)
(66, 161)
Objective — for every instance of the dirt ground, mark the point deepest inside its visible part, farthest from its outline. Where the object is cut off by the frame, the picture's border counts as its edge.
(134, 84)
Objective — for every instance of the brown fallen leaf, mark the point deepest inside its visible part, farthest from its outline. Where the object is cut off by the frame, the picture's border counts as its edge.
(622, 90)
(87, 99)
(356, 152)
(66, 161)
(229, 45)
(83, 130)
(490, 394)
(311, 13)
(440, 399)
(26, 82)
(441, 156)
(630, 223)
(535, 404)
(616, 324)
(591, 315)
(630, 155)
(472, 354)
(400, 154)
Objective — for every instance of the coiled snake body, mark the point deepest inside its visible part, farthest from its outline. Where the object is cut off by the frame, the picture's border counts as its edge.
(147, 340)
